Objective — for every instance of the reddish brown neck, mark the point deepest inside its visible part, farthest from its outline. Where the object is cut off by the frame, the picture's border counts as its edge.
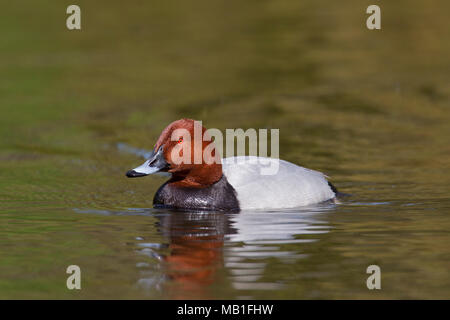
(198, 176)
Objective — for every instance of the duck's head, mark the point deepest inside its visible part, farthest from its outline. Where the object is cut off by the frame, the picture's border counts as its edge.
(184, 150)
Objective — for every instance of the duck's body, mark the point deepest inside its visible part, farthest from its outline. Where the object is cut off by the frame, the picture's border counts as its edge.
(292, 186)
(231, 184)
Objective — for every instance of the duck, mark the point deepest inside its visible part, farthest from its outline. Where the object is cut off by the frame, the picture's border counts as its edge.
(230, 184)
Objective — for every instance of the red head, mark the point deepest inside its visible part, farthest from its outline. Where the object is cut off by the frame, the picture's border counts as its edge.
(184, 150)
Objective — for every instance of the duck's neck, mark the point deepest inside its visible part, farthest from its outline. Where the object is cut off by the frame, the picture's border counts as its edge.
(199, 176)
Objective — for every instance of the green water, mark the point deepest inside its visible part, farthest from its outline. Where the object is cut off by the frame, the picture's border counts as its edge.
(368, 108)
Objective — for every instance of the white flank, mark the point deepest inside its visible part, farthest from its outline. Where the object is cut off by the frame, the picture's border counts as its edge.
(292, 186)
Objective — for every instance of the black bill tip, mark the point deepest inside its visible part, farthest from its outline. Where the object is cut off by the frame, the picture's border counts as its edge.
(134, 174)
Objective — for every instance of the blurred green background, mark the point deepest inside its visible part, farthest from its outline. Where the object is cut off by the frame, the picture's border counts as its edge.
(369, 108)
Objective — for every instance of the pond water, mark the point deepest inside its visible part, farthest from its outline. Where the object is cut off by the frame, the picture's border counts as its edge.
(368, 108)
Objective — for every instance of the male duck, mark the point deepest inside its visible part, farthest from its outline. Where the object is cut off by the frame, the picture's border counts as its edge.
(232, 184)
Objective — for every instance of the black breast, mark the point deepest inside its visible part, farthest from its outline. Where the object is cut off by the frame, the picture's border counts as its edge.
(220, 196)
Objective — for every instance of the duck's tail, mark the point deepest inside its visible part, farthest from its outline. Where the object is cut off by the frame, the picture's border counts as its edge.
(335, 190)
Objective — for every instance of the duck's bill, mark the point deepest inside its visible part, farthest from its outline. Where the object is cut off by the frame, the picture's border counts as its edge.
(155, 164)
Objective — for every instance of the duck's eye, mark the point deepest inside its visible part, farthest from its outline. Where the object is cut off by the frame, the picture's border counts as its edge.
(180, 140)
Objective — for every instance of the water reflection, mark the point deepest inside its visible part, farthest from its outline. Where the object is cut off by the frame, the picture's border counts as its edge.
(196, 242)
(205, 248)
(260, 236)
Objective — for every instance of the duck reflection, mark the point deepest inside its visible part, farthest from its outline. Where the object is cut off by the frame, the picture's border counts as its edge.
(196, 250)
(207, 248)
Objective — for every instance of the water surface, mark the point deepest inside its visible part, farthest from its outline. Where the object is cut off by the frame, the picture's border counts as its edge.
(370, 109)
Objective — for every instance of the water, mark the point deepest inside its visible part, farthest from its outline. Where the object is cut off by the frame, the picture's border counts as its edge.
(369, 109)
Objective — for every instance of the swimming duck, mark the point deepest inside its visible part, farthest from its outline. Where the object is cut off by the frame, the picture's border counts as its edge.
(229, 184)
